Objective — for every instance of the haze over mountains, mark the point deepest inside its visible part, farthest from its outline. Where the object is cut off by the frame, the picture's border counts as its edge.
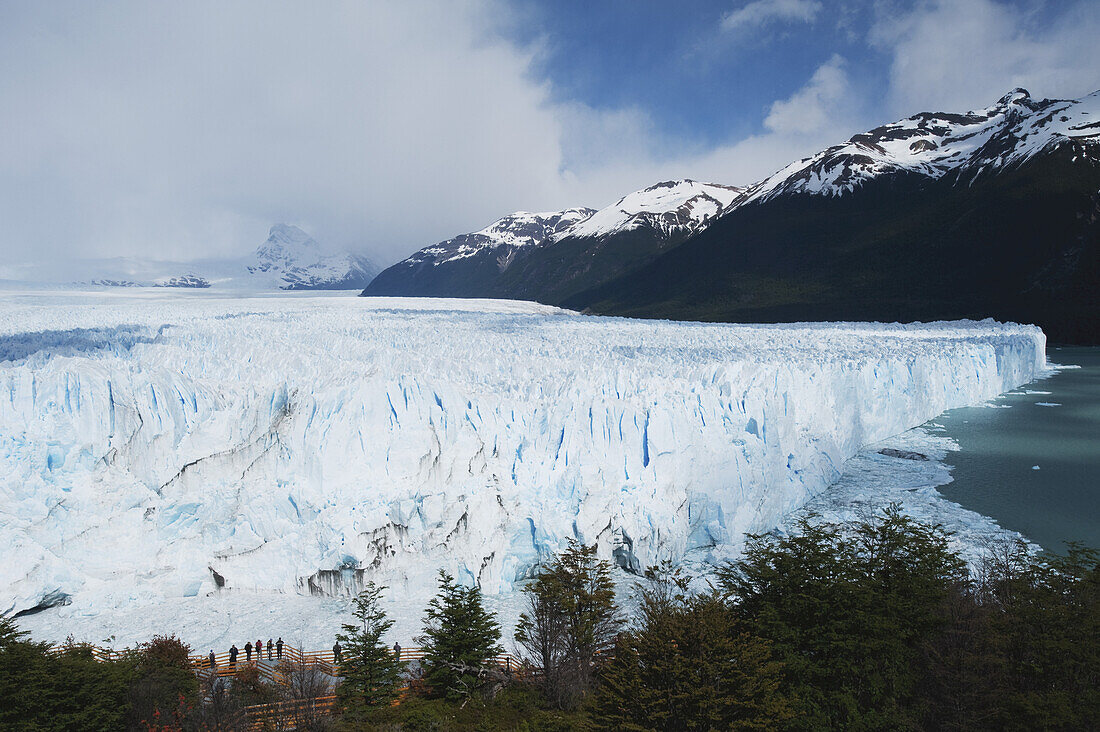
(988, 213)
(290, 259)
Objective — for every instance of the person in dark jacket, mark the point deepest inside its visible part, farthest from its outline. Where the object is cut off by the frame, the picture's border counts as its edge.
(248, 652)
(336, 652)
(397, 650)
(233, 656)
(259, 650)
(269, 644)
(212, 661)
(279, 648)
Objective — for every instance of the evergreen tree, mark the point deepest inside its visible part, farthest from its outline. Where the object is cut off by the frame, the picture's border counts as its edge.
(45, 689)
(688, 666)
(571, 618)
(1044, 632)
(849, 612)
(372, 674)
(460, 640)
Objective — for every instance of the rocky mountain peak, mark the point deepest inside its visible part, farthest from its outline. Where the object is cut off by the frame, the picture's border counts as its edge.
(936, 144)
(1016, 96)
(667, 207)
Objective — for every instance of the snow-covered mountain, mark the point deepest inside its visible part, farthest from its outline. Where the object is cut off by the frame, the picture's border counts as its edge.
(547, 256)
(290, 259)
(988, 213)
(502, 238)
(666, 208)
(182, 461)
(639, 256)
(470, 265)
(937, 144)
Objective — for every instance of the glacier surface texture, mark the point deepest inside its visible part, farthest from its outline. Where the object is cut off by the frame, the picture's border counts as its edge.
(157, 447)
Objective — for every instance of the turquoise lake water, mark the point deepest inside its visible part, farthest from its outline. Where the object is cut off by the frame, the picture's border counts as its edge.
(994, 469)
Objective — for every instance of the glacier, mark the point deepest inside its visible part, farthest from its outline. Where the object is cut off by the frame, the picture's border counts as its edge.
(162, 453)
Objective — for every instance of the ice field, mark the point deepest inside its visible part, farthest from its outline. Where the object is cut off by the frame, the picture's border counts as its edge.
(165, 455)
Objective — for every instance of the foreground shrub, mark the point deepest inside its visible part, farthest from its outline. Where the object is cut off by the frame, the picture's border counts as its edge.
(164, 687)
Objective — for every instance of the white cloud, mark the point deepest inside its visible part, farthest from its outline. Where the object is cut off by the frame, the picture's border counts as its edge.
(186, 129)
(964, 54)
(819, 114)
(765, 12)
(813, 106)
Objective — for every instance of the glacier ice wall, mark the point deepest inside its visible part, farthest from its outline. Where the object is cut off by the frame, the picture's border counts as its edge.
(159, 446)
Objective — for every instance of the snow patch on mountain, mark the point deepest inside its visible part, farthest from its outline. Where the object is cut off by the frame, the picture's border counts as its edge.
(666, 208)
(516, 231)
(937, 144)
(156, 447)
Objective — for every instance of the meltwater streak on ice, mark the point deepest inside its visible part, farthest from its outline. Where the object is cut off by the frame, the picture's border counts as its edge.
(303, 445)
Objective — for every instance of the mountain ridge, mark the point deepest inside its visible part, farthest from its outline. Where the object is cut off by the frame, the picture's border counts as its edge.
(504, 258)
(941, 215)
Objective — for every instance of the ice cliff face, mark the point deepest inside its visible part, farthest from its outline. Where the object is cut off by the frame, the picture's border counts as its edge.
(154, 447)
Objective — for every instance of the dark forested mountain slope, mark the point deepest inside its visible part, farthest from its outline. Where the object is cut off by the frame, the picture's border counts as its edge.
(548, 256)
(469, 265)
(990, 213)
(994, 214)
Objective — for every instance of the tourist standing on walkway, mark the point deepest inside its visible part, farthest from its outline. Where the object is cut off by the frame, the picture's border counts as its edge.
(336, 652)
(397, 650)
(259, 650)
(279, 648)
(248, 652)
(233, 656)
(269, 644)
(213, 659)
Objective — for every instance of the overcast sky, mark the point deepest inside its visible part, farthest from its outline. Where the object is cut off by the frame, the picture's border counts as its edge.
(179, 130)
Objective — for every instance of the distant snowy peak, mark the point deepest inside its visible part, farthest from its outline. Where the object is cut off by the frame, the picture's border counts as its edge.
(519, 230)
(284, 248)
(666, 208)
(936, 144)
(291, 259)
(187, 280)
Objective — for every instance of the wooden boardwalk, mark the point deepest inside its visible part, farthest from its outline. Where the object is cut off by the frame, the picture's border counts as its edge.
(279, 671)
